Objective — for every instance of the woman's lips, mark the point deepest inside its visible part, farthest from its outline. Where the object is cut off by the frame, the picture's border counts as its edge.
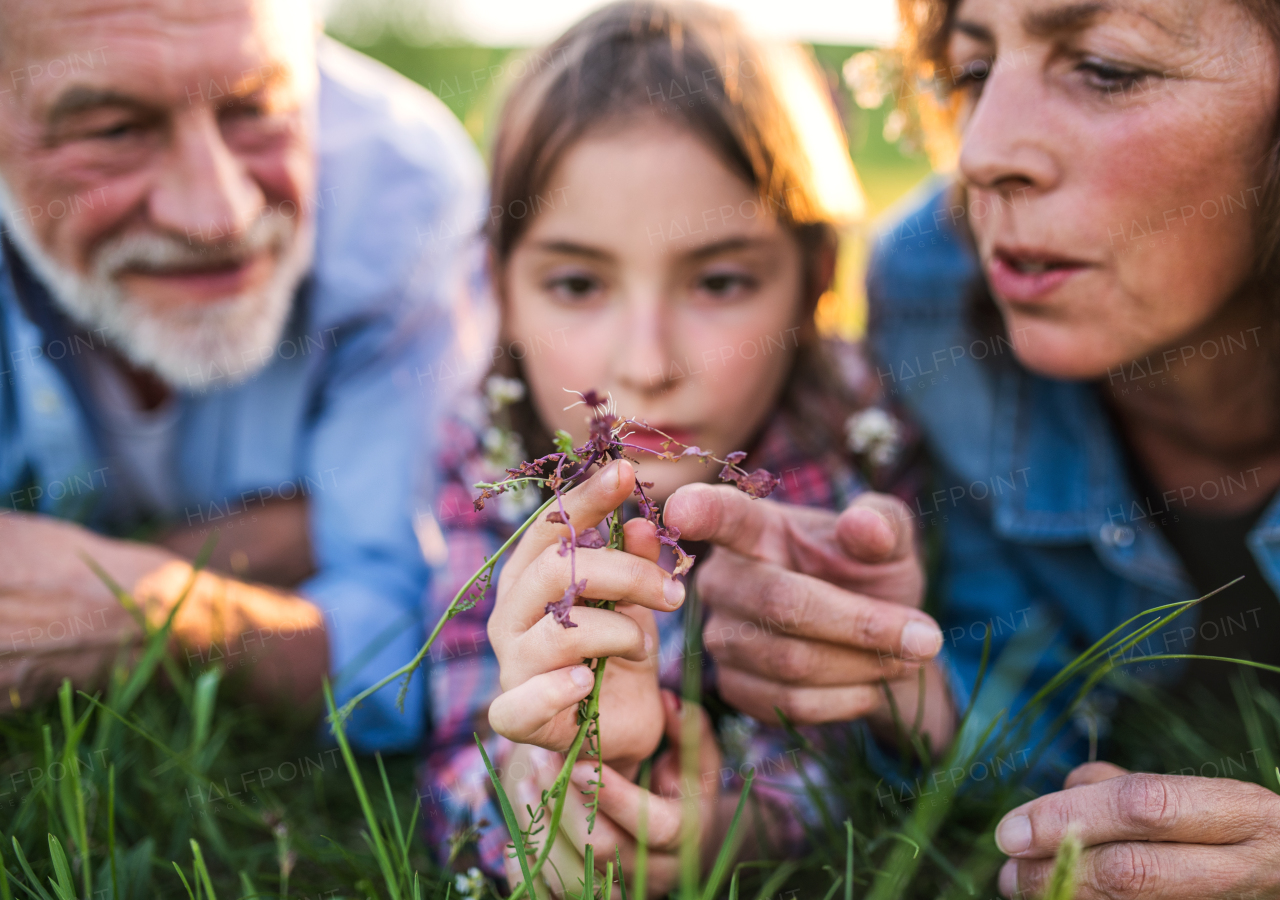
(650, 439)
(1020, 279)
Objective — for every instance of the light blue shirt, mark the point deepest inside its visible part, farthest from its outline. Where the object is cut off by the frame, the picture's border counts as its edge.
(342, 413)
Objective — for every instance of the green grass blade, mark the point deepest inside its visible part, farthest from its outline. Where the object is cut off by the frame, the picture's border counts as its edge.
(201, 871)
(730, 846)
(509, 816)
(380, 850)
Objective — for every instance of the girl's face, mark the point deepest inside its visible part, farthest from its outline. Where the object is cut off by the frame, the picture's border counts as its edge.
(653, 274)
(1114, 153)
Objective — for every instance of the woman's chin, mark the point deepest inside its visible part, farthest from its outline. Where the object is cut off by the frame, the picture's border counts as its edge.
(1067, 354)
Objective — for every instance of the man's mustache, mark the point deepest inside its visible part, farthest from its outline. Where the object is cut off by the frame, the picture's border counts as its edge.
(159, 253)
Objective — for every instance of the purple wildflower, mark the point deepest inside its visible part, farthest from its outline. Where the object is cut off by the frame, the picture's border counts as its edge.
(559, 610)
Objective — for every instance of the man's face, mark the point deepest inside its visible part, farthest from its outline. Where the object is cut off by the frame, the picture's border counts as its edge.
(158, 161)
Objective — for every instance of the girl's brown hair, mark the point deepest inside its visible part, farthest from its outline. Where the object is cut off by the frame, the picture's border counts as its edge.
(764, 111)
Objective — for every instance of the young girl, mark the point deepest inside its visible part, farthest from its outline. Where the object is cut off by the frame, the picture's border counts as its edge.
(670, 195)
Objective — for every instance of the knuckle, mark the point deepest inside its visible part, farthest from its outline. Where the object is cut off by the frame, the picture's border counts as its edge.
(1146, 802)
(793, 661)
(777, 601)
(863, 627)
(1124, 871)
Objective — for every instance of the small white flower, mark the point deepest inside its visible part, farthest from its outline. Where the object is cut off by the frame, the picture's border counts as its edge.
(875, 433)
(502, 391)
(470, 885)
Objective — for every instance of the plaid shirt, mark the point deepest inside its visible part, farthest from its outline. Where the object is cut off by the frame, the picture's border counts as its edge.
(460, 811)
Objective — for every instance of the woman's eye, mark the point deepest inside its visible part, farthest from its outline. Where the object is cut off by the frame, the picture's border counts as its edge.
(1107, 78)
(970, 76)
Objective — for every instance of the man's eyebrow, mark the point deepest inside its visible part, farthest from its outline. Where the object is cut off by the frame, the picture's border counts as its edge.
(80, 98)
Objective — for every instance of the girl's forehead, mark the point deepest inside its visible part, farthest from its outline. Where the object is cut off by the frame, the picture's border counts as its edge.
(654, 185)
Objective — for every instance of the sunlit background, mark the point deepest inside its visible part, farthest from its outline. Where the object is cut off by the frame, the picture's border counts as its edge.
(452, 47)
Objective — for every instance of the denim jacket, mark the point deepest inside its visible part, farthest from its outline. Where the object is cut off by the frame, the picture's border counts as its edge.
(1046, 545)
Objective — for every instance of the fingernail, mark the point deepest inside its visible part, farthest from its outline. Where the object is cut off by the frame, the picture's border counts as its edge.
(1014, 835)
(612, 476)
(582, 676)
(1009, 878)
(582, 775)
(920, 641)
(648, 644)
(673, 591)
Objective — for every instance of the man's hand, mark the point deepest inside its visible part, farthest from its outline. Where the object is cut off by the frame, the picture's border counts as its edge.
(1170, 837)
(540, 660)
(271, 545)
(59, 620)
(808, 610)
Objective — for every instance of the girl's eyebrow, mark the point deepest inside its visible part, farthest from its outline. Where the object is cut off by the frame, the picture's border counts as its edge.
(728, 244)
(573, 249)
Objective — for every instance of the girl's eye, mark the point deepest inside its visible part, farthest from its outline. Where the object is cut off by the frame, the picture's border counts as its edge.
(725, 284)
(574, 287)
(1107, 78)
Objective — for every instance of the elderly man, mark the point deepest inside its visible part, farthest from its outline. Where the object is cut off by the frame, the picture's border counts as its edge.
(228, 275)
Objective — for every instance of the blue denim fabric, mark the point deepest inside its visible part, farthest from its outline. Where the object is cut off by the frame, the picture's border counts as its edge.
(1046, 544)
(342, 413)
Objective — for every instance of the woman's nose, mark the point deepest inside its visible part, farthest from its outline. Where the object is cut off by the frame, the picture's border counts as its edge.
(1009, 140)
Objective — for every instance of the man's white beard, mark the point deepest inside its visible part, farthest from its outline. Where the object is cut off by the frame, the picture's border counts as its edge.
(189, 345)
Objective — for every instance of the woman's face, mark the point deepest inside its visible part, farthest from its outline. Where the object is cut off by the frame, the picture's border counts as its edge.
(651, 273)
(1114, 156)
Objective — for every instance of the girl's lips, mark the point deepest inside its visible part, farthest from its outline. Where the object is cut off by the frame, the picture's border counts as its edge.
(651, 440)
(1017, 286)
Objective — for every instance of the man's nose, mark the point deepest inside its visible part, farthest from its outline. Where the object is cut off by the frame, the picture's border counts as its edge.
(204, 192)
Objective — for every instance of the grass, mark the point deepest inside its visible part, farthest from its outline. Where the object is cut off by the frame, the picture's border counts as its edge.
(159, 788)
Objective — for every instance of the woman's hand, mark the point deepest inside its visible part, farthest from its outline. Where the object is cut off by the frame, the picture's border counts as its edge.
(542, 675)
(673, 805)
(1171, 837)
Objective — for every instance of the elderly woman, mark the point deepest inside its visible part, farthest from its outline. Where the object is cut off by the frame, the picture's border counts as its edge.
(1102, 405)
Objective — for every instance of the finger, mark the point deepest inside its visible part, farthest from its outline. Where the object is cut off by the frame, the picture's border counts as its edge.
(1092, 773)
(548, 646)
(642, 539)
(876, 528)
(1137, 807)
(1146, 870)
(721, 515)
(777, 657)
(802, 606)
(760, 698)
(586, 505)
(609, 575)
(622, 802)
(523, 713)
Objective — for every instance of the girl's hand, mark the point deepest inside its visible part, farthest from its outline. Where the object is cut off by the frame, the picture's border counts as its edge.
(675, 804)
(542, 675)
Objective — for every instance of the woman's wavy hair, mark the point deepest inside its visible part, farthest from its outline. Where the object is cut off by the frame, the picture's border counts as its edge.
(764, 110)
(926, 32)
